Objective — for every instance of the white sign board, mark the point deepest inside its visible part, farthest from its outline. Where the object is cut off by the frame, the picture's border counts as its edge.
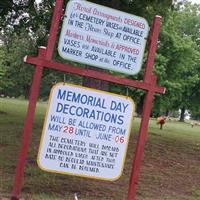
(86, 132)
(103, 37)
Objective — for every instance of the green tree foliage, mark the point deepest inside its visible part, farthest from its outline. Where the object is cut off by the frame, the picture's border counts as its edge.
(17, 74)
(149, 8)
(2, 70)
(179, 54)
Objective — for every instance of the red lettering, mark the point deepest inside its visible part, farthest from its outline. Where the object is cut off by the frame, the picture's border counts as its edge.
(134, 23)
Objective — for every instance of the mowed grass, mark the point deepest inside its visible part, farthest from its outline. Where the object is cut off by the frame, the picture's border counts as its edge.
(170, 169)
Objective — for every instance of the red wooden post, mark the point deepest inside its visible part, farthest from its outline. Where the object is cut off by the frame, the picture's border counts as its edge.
(43, 53)
(57, 14)
(94, 74)
(151, 79)
(154, 34)
(27, 129)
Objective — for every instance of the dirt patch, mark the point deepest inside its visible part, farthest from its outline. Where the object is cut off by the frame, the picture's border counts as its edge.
(168, 170)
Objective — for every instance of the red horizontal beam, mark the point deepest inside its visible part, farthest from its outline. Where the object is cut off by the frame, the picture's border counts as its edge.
(94, 74)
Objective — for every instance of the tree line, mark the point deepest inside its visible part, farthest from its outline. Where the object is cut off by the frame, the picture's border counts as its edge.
(24, 26)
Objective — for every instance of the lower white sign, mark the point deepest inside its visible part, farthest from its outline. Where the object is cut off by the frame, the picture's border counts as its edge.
(86, 132)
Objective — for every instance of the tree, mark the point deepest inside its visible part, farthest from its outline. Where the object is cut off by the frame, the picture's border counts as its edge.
(17, 73)
(27, 16)
(148, 9)
(2, 70)
(180, 70)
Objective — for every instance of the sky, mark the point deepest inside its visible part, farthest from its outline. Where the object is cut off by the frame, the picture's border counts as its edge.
(195, 1)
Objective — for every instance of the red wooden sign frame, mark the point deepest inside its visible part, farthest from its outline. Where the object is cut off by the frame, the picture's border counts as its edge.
(44, 59)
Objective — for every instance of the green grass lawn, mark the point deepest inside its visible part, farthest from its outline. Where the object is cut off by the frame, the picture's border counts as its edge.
(170, 170)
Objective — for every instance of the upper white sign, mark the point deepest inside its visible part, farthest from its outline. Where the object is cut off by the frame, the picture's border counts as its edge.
(103, 37)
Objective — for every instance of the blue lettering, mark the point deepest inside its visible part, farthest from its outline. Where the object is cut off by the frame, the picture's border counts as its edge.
(120, 120)
(61, 95)
(76, 98)
(62, 108)
(54, 127)
(66, 108)
(59, 107)
(104, 136)
(121, 107)
(69, 95)
(70, 110)
(53, 118)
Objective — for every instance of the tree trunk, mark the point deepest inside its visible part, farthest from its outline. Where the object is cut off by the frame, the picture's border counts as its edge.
(91, 82)
(94, 83)
(167, 113)
(139, 106)
(182, 117)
